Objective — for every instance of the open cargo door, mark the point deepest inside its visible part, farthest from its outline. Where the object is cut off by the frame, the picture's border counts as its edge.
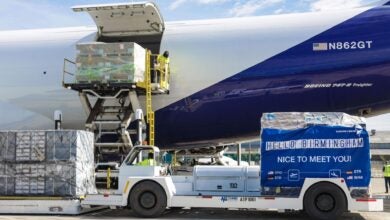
(127, 22)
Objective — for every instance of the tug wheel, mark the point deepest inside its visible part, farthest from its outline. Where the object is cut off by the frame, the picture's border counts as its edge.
(148, 199)
(324, 201)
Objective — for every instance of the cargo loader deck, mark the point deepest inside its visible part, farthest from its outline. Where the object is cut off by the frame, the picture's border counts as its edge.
(111, 96)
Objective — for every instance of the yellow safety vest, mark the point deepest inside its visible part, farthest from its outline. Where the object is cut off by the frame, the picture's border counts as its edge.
(162, 60)
(146, 162)
(387, 171)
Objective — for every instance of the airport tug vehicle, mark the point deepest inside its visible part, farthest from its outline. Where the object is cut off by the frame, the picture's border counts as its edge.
(149, 191)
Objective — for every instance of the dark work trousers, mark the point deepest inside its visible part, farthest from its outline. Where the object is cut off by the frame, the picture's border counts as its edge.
(387, 183)
(156, 75)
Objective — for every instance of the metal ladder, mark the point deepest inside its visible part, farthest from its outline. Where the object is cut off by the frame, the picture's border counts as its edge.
(149, 109)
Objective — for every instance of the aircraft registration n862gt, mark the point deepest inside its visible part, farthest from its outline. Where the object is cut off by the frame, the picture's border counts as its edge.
(225, 72)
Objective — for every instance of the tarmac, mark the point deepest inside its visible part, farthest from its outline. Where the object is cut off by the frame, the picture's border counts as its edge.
(377, 187)
(203, 214)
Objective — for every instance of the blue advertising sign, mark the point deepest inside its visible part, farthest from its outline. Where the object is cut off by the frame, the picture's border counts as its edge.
(290, 156)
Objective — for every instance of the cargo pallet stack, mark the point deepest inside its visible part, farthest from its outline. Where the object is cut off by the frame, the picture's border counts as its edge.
(37, 166)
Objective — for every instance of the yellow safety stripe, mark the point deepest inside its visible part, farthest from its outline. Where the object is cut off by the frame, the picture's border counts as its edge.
(126, 186)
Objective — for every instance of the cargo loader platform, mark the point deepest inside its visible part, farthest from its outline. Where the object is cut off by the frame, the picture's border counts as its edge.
(116, 69)
(116, 75)
(110, 96)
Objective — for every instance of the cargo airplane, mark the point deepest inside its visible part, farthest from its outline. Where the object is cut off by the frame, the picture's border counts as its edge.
(225, 72)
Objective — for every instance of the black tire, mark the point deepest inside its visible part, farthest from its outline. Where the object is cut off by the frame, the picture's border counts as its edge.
(324, 201)
(175, 208)
(148, 199)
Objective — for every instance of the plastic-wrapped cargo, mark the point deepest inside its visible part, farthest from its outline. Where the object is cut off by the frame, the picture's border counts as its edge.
(296, 146)
(295, 120)
(110, 63)
(46, 163)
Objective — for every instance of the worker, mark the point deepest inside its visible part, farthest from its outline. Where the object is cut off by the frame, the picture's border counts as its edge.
(386, 174)
(163, 59)
(149, 161)
(161, 66)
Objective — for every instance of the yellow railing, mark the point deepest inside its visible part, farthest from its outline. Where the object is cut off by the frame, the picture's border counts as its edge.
(109, 178)
(163, 85)
(164, 76)
(164, 73)
(149, 109)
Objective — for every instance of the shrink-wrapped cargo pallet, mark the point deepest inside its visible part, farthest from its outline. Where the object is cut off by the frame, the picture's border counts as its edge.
(110, 63)
(295, 120)
(46, 163)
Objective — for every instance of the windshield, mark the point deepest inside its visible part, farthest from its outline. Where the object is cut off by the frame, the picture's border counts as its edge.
(138, 155)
